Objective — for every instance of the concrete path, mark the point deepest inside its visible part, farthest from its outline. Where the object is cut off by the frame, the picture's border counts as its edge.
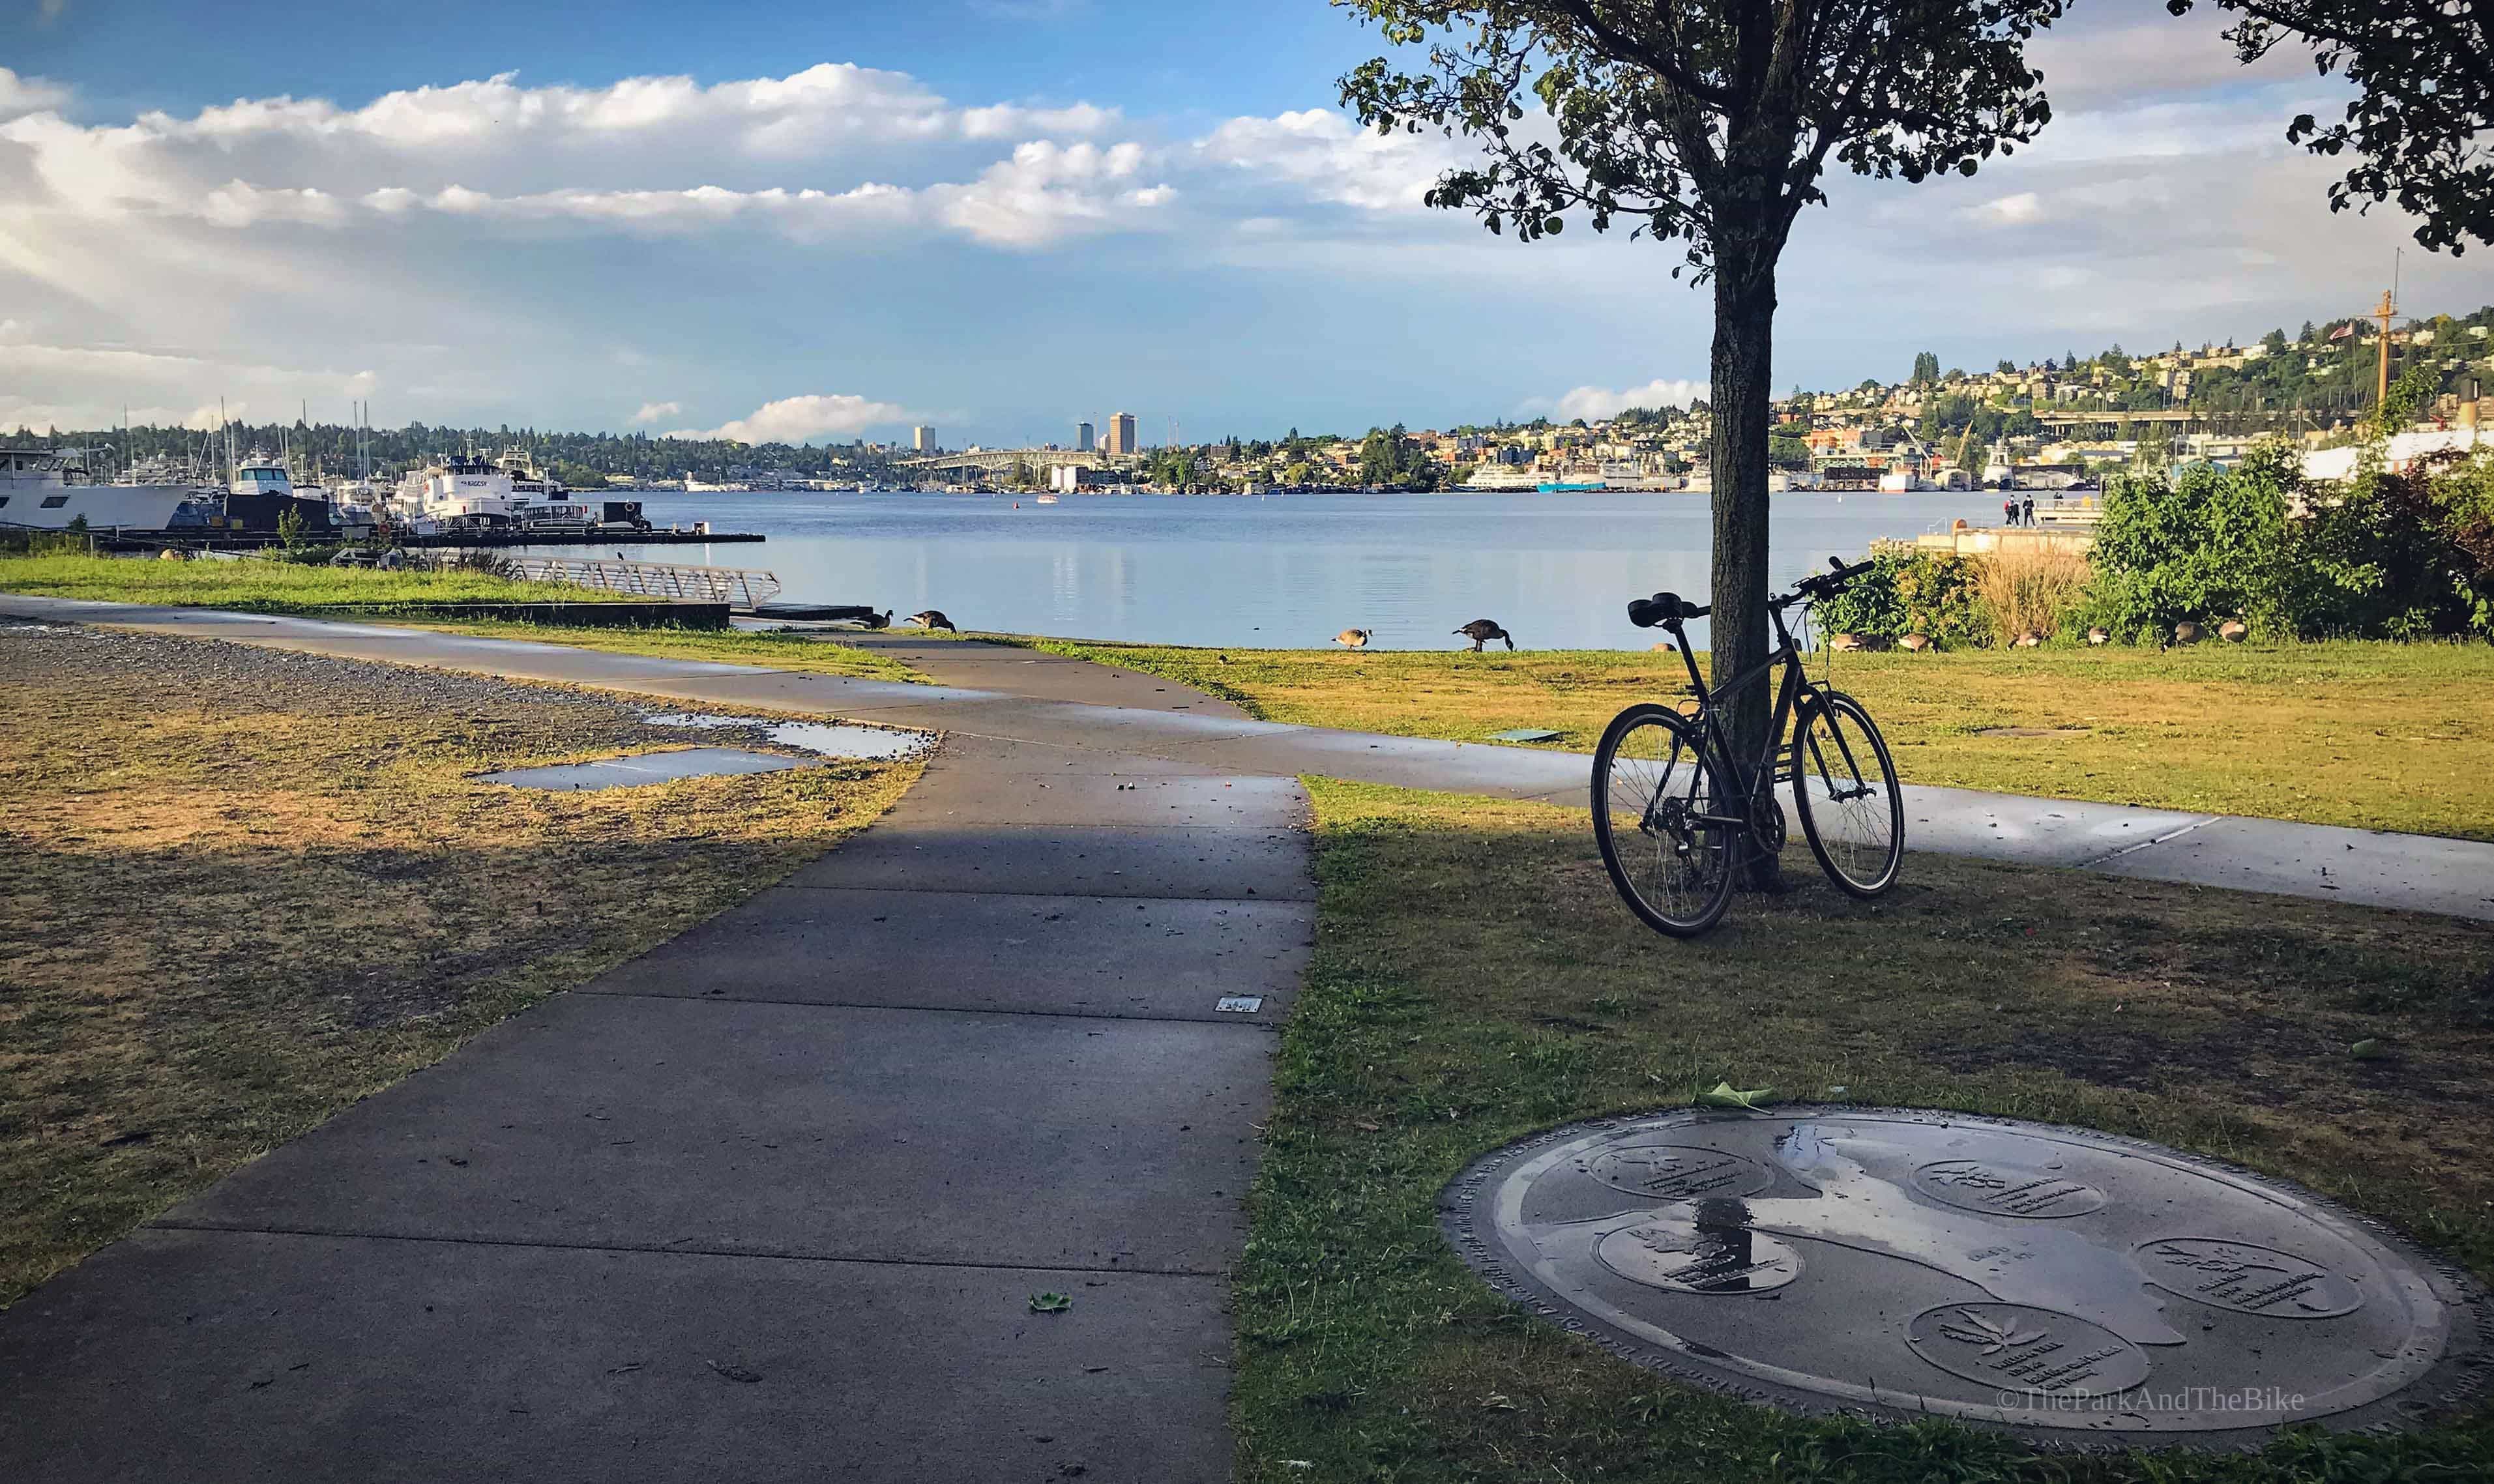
(772, 1202)
(1002, 693)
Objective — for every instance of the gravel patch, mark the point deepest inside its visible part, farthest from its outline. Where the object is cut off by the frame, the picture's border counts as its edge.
(247, 677)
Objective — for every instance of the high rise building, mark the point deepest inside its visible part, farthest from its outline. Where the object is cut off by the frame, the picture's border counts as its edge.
(1083, 437)
(923, 438)
(1121, 434)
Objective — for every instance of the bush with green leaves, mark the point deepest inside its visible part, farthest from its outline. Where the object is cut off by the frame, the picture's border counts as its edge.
(2398, 555)
(1909, 591)
(2405, 554)
(2206, 546)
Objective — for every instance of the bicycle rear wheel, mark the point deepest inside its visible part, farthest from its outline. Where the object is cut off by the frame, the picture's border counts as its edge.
(1662, 816)
(1846, 788)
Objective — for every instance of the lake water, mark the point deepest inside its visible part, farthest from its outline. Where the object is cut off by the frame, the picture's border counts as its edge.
(1557, 570)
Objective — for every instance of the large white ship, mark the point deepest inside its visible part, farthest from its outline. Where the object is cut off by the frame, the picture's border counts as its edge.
(47, 489)
(470, 492)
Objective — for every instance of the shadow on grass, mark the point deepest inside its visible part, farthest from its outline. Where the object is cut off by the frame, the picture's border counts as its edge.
(1476, 979)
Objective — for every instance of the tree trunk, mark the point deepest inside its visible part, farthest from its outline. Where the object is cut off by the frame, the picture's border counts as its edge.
(1745, 331)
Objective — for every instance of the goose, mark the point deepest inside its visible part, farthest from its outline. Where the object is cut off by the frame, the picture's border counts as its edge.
(2233, 631)
(881, 619)
(1841, 643)
(2188, 632)
(933, 619)
(2028, 640)
(1353, 638)
(1915, 642)
(2099, 636)
(1482, 631)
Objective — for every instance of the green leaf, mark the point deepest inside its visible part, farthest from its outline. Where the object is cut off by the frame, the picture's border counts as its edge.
(1050, 1303)
(1725, 1095)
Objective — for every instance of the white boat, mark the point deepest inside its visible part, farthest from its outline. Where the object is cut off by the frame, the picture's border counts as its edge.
(261, 474)
(468, 493)
(1046, 500)
(43, 489)
(1503, 476)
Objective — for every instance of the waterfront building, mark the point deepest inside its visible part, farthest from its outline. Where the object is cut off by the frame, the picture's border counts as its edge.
(1121, 434)
(923, 438)
(1083, 437)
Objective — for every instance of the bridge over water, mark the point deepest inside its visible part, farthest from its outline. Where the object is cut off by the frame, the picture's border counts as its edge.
(990, 462)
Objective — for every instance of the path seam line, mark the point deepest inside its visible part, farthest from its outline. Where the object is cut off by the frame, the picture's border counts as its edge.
(2151, 845)
(345, 1235)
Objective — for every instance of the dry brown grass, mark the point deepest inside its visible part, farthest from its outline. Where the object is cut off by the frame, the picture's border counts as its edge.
(2030, 591)
(228, 911)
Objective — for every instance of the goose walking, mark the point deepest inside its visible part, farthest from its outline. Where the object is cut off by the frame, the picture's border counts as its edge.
(933, 619)
(1353, 638)
(881, 619)
(1480, 631)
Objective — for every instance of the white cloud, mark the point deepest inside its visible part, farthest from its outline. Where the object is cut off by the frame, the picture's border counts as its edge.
(800, 419)
(651, 411)
(1330, 158)
(1594, 403)
(21, 94)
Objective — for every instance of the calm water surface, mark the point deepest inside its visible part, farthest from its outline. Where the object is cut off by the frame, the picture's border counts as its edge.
(1557, 570)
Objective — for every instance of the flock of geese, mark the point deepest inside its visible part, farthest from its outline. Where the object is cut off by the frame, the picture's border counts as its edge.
(1480, 631)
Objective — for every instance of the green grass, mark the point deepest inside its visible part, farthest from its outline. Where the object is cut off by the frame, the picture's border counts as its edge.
(1475, 980)
(792, 651)
(261, 586)
(228, 913)
(2373, 735)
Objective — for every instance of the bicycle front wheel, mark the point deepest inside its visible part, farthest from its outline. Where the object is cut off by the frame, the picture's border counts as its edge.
(1664, 821)
(1846, 788)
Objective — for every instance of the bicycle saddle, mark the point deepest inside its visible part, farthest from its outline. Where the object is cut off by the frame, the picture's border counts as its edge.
(1663, 608)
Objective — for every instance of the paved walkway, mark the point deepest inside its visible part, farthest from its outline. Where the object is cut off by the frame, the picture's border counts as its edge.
(1000, 693)
(770, 1201)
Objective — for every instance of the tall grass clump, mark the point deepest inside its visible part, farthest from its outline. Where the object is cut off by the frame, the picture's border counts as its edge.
(2039, 592)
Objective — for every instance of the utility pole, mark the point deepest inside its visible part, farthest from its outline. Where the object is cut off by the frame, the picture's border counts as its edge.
(2383, 312)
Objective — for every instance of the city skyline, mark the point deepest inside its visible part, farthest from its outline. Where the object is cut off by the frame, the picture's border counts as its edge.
(839, 236)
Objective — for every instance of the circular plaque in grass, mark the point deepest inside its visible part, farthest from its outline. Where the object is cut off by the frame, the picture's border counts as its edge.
(2071, 1286)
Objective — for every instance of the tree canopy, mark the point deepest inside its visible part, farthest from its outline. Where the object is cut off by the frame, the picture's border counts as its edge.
(1675, 117)
(2418, 126)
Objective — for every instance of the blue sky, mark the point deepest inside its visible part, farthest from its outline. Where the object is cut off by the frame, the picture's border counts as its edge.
(1001, 216)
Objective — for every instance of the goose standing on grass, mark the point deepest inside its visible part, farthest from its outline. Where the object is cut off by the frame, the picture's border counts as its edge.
(881, 619)
(933, 619)
(1482, 631)
(1353, 638)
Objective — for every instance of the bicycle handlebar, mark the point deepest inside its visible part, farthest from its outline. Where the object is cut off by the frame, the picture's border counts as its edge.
(1826, 584)
(1666, 608)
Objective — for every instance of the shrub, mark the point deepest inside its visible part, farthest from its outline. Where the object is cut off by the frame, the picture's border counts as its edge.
(2401, 556)
(1909, 591)
(2211, 545)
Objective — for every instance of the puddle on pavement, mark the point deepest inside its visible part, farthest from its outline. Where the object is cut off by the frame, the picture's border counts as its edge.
(823, 738)
(641, 770)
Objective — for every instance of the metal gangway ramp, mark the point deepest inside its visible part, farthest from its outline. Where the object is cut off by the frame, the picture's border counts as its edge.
(737, 587)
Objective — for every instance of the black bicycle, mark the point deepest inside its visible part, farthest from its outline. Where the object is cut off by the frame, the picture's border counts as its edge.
(1679, 816)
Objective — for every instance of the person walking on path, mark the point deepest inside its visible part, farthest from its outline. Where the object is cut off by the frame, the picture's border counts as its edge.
(2009, 510)
(2027, 511)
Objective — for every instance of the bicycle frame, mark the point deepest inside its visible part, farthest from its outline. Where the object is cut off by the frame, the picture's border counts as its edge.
(1777, 761)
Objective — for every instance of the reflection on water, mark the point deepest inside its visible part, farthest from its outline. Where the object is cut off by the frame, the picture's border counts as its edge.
(1280, 570)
